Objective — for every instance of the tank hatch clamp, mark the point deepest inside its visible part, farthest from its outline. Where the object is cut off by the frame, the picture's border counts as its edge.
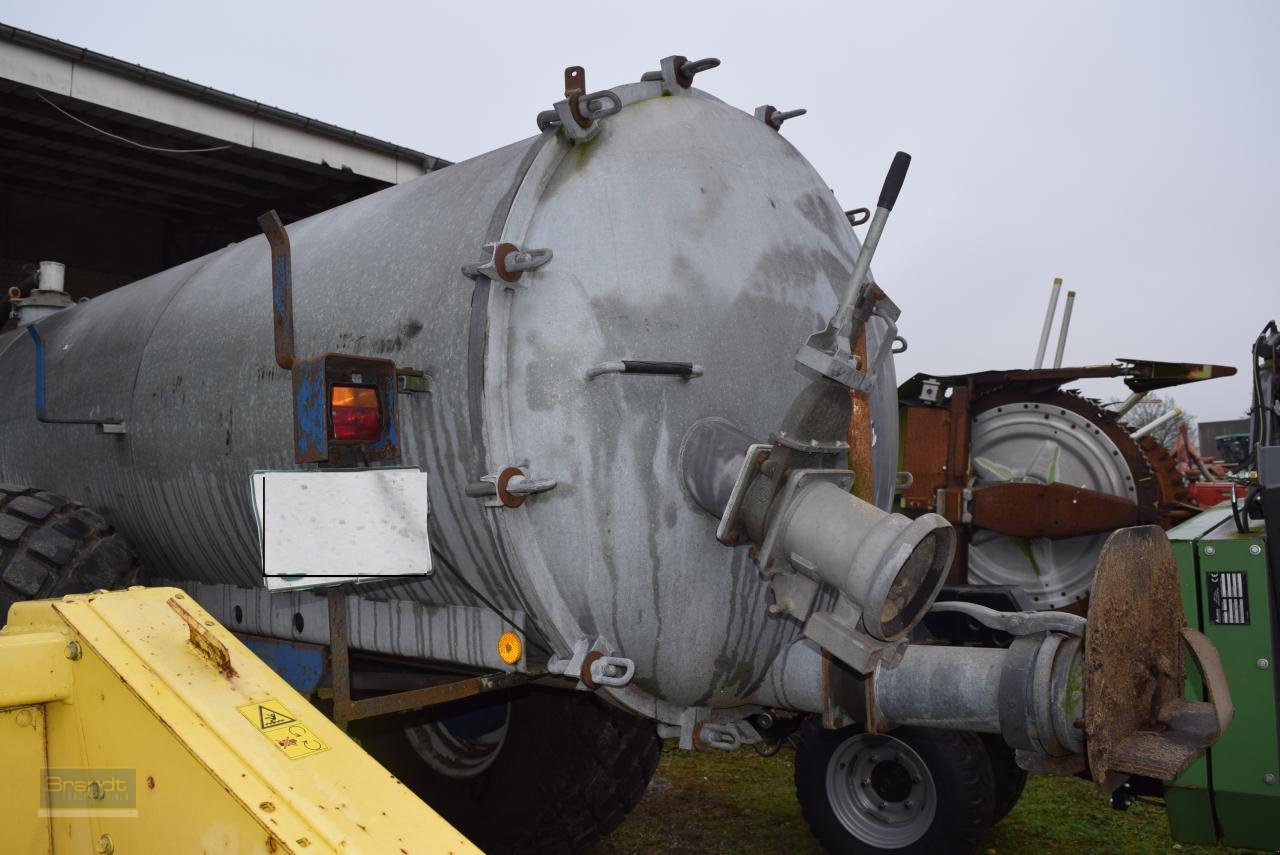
(593, 666)
(314, 437)
(695, 731)
(579, 114)
(677, 72)
(506, 262)
(773, 117)
(508, 488)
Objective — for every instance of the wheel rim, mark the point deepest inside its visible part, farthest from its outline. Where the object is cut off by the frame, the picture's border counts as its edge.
(881, 790)
(458, 752)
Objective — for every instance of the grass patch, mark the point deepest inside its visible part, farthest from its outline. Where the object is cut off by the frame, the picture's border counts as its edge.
(739, 802)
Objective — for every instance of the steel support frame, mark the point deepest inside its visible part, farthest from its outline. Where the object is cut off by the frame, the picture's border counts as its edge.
(346, 709)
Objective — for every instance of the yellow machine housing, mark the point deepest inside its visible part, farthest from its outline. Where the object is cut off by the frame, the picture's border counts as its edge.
(132, 722)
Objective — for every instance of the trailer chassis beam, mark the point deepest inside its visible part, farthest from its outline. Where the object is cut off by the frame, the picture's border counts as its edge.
(346, 709)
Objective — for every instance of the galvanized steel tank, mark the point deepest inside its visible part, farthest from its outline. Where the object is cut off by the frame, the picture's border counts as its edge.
(686, 231)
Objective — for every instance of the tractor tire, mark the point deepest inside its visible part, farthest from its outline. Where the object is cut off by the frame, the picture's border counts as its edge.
(555, 771)
(51, 546)
(913, 790)
(1010, 778)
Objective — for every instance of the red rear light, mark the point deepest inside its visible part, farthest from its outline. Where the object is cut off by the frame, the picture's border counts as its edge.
(355, 413)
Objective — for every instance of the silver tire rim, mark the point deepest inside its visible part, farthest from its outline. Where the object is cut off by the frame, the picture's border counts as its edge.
(881, 791)
(455, 756)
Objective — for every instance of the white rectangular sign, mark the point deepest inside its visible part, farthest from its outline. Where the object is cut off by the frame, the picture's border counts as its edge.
(322, 528)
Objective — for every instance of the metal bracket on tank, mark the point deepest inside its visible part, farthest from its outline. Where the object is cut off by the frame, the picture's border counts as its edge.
(507, 262)
(579, 114)
(108, 425)
(677, 72)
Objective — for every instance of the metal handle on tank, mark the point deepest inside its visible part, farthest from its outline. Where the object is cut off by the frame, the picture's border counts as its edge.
(684, 370)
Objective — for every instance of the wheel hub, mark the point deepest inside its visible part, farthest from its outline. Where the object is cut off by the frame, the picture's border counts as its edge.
(1042, 442)
(881, 790)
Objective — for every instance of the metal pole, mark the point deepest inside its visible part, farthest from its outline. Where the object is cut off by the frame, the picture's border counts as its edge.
(1157, 422)
(862, 264)
(1129, 403)
(1062, 330)
(1048, 323)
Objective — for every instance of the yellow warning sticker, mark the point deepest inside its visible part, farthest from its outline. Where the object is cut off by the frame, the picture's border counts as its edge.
(279, 725)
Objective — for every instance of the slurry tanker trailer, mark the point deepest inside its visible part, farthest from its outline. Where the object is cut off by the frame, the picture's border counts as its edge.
(594, 431)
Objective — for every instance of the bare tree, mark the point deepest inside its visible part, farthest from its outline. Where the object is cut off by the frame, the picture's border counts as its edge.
(1153, 407)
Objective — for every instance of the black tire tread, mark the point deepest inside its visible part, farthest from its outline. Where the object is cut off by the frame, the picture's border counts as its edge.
(570, 771)
(51, 546)
(603, 779)
(1009, 777)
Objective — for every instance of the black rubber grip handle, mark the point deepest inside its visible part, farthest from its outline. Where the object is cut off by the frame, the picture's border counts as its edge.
(637, 366)
(893, 181)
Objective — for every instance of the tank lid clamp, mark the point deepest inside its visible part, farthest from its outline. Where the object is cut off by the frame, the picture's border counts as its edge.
(773, 117)
(579, 114)
(677, 72)
(593, 666)
(695, 731)
(508, 488)
(507, 263)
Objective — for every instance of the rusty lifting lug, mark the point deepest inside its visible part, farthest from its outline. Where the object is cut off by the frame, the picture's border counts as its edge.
(677, 72)
(579, 114)
(773, 117)
(506, 262)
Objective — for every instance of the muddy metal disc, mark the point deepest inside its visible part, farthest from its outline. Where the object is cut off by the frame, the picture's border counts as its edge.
(1133, 661)
(1045, 439)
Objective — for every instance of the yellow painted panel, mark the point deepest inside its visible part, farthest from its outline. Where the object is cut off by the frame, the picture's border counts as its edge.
(187, 737)
(21, 758)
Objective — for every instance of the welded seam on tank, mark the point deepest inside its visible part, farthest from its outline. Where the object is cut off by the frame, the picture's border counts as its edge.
(13, 336)
(477, 347)
(180, 288)
(164, 310)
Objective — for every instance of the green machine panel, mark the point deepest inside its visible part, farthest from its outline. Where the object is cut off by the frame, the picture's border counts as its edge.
(1232, 795)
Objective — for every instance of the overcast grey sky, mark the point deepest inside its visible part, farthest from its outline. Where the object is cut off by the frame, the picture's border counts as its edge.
(1129, 147)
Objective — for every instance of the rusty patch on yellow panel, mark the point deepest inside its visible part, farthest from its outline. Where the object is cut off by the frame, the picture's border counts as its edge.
(209, 648)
